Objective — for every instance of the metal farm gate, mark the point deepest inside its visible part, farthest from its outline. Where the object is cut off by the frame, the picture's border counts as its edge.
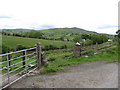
(16, 65)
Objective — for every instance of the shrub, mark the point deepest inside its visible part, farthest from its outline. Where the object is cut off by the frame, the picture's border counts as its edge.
(51, 59)
(20, 47)
(63, 47)
(111, 51)
(88, 52)
(50, 47)
(46, 65)
(5, 49)
(88, 42)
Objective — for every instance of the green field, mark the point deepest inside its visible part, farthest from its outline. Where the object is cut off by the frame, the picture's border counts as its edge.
(12, 42)
(60, 58)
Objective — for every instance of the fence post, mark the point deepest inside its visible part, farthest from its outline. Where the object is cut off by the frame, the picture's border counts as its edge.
(38, 53)
(43, 59)
(24, 59)
(9, 57)
(8, 69)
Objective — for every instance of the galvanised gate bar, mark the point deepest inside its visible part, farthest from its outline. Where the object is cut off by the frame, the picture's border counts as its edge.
(16, 65)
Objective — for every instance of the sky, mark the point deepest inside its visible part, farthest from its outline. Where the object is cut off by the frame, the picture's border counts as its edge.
(94, 15)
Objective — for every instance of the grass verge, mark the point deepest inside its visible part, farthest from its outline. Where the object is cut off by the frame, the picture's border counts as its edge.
(62, 59)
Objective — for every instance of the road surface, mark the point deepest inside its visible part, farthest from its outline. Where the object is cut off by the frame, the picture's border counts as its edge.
(88, 75)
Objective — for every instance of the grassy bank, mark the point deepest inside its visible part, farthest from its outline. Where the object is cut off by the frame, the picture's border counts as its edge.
(56, 61)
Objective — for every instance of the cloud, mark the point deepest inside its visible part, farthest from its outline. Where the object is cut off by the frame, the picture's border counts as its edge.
(47, 26)
(37, 26)
(41, 27)
(6, 26)
(5, 16)
(107, 26)
(44, 14)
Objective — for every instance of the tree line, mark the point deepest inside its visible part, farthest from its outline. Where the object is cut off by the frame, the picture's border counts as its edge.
(90, 39)
(31, 34)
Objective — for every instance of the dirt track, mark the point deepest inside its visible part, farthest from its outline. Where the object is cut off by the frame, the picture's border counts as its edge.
(89, 75)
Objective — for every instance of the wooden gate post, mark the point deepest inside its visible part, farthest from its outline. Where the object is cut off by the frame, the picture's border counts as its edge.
(24, 58)
(38, 53)
(9, 57)
(43, 59)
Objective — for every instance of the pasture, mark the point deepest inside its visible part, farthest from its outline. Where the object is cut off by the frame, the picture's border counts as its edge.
(12, 42)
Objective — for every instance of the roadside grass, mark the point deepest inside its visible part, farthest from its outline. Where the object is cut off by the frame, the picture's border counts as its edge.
(62, 59)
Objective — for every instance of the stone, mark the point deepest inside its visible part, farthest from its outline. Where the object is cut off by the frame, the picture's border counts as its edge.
(32, 74)
(28, 75)
(30, 65)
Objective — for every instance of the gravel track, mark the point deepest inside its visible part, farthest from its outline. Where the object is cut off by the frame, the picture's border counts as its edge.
(88, 75)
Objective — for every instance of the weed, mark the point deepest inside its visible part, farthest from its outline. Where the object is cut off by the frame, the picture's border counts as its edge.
(51, 69)
(40, 80)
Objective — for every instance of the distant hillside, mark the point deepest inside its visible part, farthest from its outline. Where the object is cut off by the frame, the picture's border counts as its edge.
(56, 32)
(16, 30)
(65, 31)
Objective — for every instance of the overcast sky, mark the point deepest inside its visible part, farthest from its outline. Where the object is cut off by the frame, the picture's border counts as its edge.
(94, 15)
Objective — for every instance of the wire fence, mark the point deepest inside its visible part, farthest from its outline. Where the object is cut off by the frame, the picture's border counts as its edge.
(16, 65)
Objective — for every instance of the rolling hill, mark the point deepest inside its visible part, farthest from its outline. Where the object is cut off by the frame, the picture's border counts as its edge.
(15, 30)
(55, 33)
(74, 30)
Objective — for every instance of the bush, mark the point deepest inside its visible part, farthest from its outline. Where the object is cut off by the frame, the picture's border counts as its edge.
(5, 49)
(20, 47)
(63, 47)
(46, 65)
(111, 51)
(51, 59)
(88, 42)
(88, 52)
(50, 47)
(99, 38)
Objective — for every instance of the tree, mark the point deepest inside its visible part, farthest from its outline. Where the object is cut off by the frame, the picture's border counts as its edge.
(85, 36)
(34, 34)
(99, 38)
(88, 42)
(118, 33)
(78, 39)
(118, 36)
